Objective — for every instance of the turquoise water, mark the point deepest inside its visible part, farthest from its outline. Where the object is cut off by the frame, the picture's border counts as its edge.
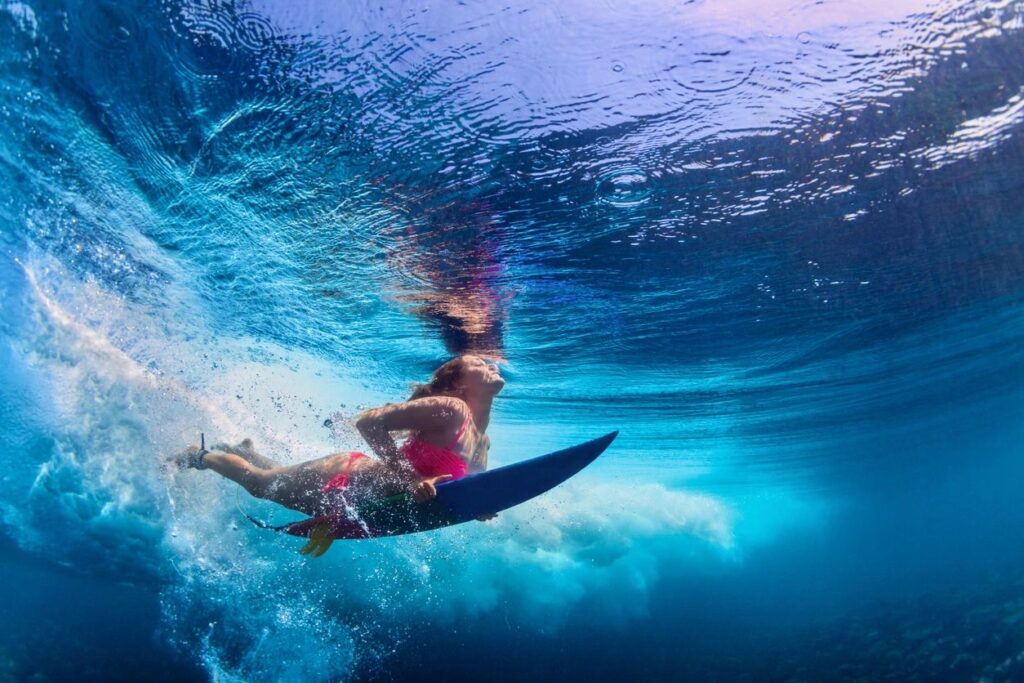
(777, 245)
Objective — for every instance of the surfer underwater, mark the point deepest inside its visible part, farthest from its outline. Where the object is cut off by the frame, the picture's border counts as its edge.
(446, 420)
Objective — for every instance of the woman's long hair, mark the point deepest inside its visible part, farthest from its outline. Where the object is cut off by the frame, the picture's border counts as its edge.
(444, 381)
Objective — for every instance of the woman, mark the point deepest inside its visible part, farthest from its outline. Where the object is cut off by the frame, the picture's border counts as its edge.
(446, 419)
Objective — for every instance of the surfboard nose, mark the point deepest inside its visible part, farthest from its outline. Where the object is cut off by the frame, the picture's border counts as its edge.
(505, 487)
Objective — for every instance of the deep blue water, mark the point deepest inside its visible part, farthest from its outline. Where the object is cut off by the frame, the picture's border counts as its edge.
(778, 245)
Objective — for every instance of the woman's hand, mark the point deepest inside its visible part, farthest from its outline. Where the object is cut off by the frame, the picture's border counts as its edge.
(425, 489)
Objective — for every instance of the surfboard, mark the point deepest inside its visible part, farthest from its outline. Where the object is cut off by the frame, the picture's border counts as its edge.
(457, 501)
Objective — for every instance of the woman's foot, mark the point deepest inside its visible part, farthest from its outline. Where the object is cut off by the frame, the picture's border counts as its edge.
(243, 448)
(247, 451)
(191, 458)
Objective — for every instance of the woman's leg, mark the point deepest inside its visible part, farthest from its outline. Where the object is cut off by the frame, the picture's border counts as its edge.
(299, 487)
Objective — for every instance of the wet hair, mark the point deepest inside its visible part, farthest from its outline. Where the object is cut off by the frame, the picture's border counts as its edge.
(444, 381)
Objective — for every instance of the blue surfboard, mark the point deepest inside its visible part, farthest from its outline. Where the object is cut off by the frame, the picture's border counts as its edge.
(457, 501)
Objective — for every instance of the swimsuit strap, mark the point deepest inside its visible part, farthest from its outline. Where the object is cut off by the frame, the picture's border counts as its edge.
(340, 481)
(462, 430)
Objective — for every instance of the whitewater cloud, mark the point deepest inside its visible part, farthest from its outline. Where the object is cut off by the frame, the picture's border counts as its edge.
(590, 542)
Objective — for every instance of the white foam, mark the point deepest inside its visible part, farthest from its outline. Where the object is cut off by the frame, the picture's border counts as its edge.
(591, 541)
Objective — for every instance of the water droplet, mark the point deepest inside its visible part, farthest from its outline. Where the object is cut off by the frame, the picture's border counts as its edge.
(804, 37)
(617, 67)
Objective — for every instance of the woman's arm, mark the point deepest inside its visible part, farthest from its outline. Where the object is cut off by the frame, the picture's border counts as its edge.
(435, 413)
(478, 463)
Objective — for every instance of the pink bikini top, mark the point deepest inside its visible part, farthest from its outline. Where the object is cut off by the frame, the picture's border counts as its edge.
(433, 461)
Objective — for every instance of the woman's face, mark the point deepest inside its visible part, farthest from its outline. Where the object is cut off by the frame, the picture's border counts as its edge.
(479, 375)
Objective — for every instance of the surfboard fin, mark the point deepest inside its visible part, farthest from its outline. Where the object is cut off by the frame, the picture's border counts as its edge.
(320, 541)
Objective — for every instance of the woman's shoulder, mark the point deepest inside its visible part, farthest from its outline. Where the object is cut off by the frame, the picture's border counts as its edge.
(453, 403)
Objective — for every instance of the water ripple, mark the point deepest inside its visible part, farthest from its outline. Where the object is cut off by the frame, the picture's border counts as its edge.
(623, 187)
(205, 43)
(105, 24)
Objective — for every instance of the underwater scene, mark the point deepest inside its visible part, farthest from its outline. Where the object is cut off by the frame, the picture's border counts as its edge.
(777, 245)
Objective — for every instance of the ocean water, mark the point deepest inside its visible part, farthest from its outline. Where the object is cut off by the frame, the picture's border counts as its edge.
(778, 245)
